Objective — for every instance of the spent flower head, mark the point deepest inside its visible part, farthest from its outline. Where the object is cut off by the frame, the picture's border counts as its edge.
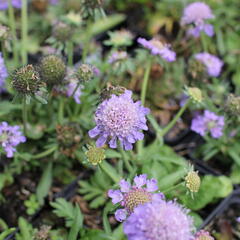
(84, 73)
(192, 180)
(26, 80)
(196, 14)
(3, 73)
(62, 31)
(208, 122)
(119, 118)
(212, 63)
(158, 48)
(159, 220)
(130, 196)
(232, 105)
(10, 137)
(95, 155)
(195, 94)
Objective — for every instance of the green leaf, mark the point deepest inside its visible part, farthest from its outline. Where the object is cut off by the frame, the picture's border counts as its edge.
(6, 232)
(77, 224)
(45, 183)
(25, 230)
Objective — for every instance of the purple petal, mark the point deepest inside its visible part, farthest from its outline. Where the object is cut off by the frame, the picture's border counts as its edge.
(94, 132)
(140, 180)
(152, 185)
(124, 185)
(121, 215)
(116, 196)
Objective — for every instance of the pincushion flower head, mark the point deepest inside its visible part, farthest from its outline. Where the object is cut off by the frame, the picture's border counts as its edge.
(10, 137)
(208, 122)
(117, 56)
(211, 62)
(119, 118)
(159, 220)
(158, 48)
(142, 191)
(3, 73)
(203, 235)
(15, 4)
(197, 13)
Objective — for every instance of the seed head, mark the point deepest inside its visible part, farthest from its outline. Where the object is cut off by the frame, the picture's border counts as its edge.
(26, 80)
(62, 31)
(84, 73)
(233, 105)
(52, 69)
(195, 94)
(193, 181)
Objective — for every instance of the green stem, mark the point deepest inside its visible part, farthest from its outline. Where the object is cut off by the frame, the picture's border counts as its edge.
(204, 42)
(24, 32)
(109, 173)
(102, 12)
(45, 153)
(12, 24)
(174, 120)
(143, 97)
(24, 116)
(70, 52)
(173, 187)
(61, 110)
(125, 159)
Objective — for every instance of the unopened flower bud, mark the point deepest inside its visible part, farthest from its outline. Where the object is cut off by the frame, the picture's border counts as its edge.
(26, 80)
(52, 69)
(95, 155)
(195, 94)
(193, 181)
(233, 105)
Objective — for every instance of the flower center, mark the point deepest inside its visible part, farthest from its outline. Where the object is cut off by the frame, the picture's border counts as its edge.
(157, 44)
(211, 124)
(136, 197)
(3, 137)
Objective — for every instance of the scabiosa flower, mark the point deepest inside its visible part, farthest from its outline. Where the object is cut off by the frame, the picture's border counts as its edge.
(130, 197)
(197, 13)
(119, 118)
(212, 63)
(208, 122)
(158, 48)
(10, 137)
(3, 73)
(117, 56)
(159, 220)
(203, 235)
(238, 219)
(15, 4)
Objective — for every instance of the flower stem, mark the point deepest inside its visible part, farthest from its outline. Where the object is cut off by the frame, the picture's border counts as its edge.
(24, 32)
(12, 24)
(174, 120)
(70, 52)
(24, 116)
(143, 97)
(125, 159)
(45, 153)
(61, 111)
(104, 167)
(173, 188)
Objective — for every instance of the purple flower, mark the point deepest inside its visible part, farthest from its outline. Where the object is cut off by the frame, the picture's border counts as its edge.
(158, 48)
(130, 197)
(203, 235)
(119, 118)
(15, 4)
(70, 89)
(117, 56)
(10, 137)
(238, 219)
(208, 122)
(159, 220)
(54, 2)
(3, 73)
(212, 63)
(197, 13)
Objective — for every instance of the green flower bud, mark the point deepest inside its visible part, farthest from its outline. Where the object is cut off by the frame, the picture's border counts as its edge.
(84, 73)
(52, 69)
(26, 80)
(193, 181)
(195, 94)
(95, 155)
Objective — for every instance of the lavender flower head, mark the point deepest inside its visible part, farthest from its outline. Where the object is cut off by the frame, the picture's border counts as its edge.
(238, 219)
(212, 63)
(197, 13)
(119, 118)
(144, 190)
(117, 56)
(208, 122)
(203, 235)
(158, 48)
(15, 4)
(10, 137)
(3, 73)
(159, 220)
